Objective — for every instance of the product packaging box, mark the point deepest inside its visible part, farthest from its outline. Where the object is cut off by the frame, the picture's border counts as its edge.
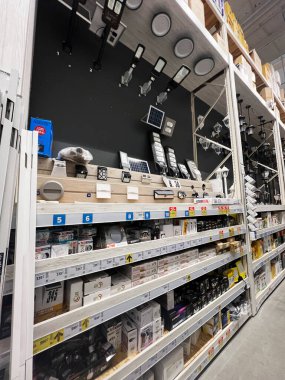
(157, 331)
(167, 300)
(43, 252)
(59, 250)
(73, 293)
(62, 236)
(48, 301)
(142, 315)
(197, 7)
(112, 330)
(119, 283)
(156, 311)
(144, 280)
(186, 344)
(256, 59)
(266, 93)
(170, 366)
(45, 135)
(145, 336)
(129, 336)
(95, 282)
(96, 296)
(84, 245)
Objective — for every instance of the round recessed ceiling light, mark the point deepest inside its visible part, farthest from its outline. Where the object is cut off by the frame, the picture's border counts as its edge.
(161, 24)
(134, 4)
(204, 66)
(183, 47)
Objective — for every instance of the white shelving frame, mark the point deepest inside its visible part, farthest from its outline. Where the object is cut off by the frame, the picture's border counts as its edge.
(52, 270)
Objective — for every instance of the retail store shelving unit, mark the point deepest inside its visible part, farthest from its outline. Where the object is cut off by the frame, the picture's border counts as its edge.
(52, 332)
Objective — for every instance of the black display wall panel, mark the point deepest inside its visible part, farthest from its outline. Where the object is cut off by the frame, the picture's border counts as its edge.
(89, 109)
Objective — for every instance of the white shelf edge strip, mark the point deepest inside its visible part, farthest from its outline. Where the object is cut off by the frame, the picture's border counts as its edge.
(52, 270)
(268, 208)
(261, 296)
(95, 314)
(267, 257)
(267, 231)
(154, 353)
(72, 214)
(211, 349)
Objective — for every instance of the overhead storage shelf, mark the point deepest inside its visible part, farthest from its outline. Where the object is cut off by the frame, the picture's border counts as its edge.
(257, 264)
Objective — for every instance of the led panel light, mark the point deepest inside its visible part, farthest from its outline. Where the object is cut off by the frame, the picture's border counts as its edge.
(183, 47)
(204, 66)
(161, 24)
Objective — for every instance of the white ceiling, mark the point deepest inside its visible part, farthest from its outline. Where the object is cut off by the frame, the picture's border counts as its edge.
(263, 22)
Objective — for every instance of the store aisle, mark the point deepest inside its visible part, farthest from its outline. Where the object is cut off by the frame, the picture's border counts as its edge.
(257, 351)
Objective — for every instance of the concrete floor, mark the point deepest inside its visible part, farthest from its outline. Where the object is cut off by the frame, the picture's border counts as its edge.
(257, 352)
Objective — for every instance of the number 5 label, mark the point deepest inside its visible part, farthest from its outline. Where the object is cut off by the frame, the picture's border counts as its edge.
(58, 219)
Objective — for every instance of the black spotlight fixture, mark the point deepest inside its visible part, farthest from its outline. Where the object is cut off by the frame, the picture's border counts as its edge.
(250, 127)
(261, 133)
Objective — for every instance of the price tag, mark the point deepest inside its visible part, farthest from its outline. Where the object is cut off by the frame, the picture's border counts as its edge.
(93, 267)
(171, 248)
(172, 345)
(40, 279)
(145, 297)
(71, 331)
(58, 219)
(192, 211)
(56, 275)
(96, 319)
(188, 277)
(172, 212)
(220, 210)
(221, 234)
(41, 344)
(147, 254)
(181, 246)
(157, 251)
(106, 264)
(57, 337)
(228, 333)
(137, 256)
(163, 251)
(79, 270)
(221, 342)
(231, 231)
(85, 324)
(87, 218)
(211, 353)
(129, 258)
(239, 230)
(204, 211)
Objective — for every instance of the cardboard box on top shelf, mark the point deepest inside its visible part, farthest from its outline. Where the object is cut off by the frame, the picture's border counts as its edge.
(197, 7)
(282, 95)
(256, 59)
(220, 41)
(266, 93)
(266, 71)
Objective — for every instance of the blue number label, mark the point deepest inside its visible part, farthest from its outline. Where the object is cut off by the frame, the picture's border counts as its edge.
(186, 213)
(129, 216)
(147, 215)
(58, 219)
(87, 218)
(167, 214)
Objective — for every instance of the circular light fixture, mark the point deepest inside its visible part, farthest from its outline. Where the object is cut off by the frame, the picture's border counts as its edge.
(183, 48)
(134, 4)
(161, 24)
(204, 66)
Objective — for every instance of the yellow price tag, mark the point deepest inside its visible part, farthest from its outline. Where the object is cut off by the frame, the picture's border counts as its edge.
(41, 344)
(188, 277)
(85, 324)
(231, 231)
(56, 337)
(192, 211)
(172, 212)
(228, 333)
(129, 258)
(204, 210)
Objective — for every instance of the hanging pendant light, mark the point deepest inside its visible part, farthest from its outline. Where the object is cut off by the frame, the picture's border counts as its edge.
(250, 128)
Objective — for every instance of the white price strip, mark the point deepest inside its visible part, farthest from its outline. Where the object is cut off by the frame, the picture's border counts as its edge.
(187, 244)
(96, 319)
(72, 330)
(93, 267)
(181, 246)
(147, 255)
(119, 261)
(76, 271)
(106, 264)
(159, 291)
(162, 353)
(144, 298)
(137, 256)
(163, 251)
(171, 248)
(157, 251)
(56, 275)
(40, 279)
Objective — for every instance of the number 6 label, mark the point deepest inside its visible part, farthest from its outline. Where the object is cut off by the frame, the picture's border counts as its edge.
(87, 218)
(58, 219)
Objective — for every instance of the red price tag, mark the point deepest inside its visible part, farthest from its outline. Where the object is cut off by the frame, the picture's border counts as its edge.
(172, 212)
(192, 211)
(221, 234)
(228, 333)
(221, 342)
(204, 210)
(211, 353)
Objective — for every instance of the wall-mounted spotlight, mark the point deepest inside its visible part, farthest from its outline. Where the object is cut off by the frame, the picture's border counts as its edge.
(177, 79)
(127, 77)
(204, 142)
(216, 130)
(250, 128)
(225, 173)
(226, 121)
(112, 14)
(242, 123)
(134, 4)
(262, 133)
(200, 121)
(183, 47)
(161, 24)
(155, 73)
(217, 149)
(204, 66)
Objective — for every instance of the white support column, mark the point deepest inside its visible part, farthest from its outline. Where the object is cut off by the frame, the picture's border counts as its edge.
(238, 167)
